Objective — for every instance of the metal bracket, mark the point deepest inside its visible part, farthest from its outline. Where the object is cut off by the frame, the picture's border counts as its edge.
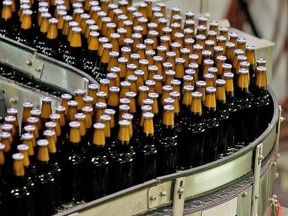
(256, 184)
(179, 196)
(159, 195)
(35, 66)
(273, 205)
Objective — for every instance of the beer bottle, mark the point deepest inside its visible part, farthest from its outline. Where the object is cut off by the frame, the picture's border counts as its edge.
(192, 137)
(72, 110)
(40, 40)
(201, 87)
(44, 181)
(251, 58)
(229, 53)
(169, 74)
(261, 102)
(27, 107)
(132, 79)
(221, 42)
(37, 113)
(175, 95)
(122, 161)
(15, 123)
(30, 171)
(223, 116)
(46, 109)
(73, 58)
(88, 111)
(209, 79)
(24, 36)
(54, 165)
(87, 101)
(151, 85)
(146, 160)
(79, 94)
(92, 90)
(85, 140)
(5, 139)
(89, 60)
(63, 37)
(101, 96)
(241, 43)
(244, 111)
(212, 126)
(52, 43)
(97, 166)
(167, 144)
(231, 107)
(3, 181)
(19, 200)
(106, 119)
(27, 138)
(6, 19)
(73, 166)
(105, 58)
(224, 31)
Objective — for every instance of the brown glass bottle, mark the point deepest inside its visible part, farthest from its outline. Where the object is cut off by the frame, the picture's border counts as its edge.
(44, 181)
(26, 29)
(51, 48)
(244, 112)
(212, 126)
(122, 161)
(146, 160)
(262, 106)
(27, 107)
(46, 109)
(40, 39)
(223, 116)
(6, 19)
(3, 182)
(97, 165)
(73, 166)
(75, 47)
(20, 200)
(192, 137)
(167, 143)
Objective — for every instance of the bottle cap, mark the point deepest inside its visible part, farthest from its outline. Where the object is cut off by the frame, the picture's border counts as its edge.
(170, 72)
(26, 136)
(188, 88)
(124, 107)
(130, 94)
(29, 128)
(124, 122)
(54, 116)
(105, 117)
(109, 111)
(143, 62)
(201, 83)
(99, 125)
(101, 105)
(74, 124)
(66, 96)
(47, 99)
(167, 88)
(72, 103)
(114, 89)
(87, 109)
(158, 77)
(153, 95)
(185, 50)
(127, 116)
(210, 89)
(132, 78)
(80, 116)
(7, 127)
(147, 101)
(35, 112)
(175, 82)
(139, 72)
(87, 98)
(113, 54)
(148, 115)
(17, 156)
(197, 94)
(50, 124)
(60, 108)
(228, 75)
(125, 84)
(10, 119)
(187, 77)
(124, 101)
(27, 104)
(220, 82)
(42, 142)
(146, 108)
(12, 111)
(49, 133)
(168, 107)
(227, 66)
(212, 70)
(243, 71)
(5, 135)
